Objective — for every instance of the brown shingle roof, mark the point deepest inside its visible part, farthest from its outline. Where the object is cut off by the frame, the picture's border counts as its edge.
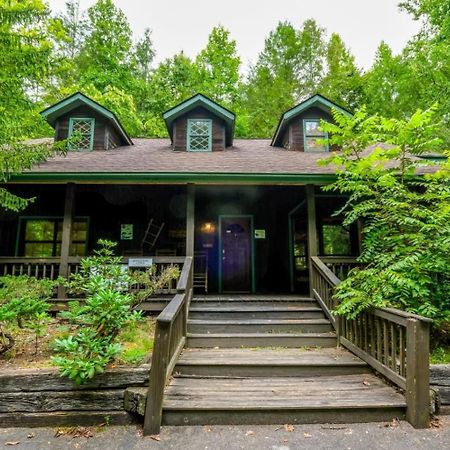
(253, 156)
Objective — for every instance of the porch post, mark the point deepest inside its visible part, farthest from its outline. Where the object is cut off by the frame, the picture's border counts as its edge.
(312, 228)
(190, 220)
(66, 235)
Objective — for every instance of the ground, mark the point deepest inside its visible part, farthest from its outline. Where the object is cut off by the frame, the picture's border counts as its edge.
(395, 435)
(137, 344)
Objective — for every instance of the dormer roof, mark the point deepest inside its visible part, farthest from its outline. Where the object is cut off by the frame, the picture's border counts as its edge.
(200, 100)
(316, 101)
(52, 113)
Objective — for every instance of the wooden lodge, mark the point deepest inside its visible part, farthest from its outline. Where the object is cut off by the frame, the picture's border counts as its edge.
(260, 250)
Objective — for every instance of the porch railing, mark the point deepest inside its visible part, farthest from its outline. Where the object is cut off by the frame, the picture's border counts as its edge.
(340, 265)
(170, 338)
(50, 267)
(393, 342)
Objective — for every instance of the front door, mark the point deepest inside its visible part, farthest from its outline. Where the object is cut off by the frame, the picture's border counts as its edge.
(236, 268)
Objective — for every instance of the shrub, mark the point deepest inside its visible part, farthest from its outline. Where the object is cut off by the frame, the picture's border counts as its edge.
(23, 300)
(404, 208)
(108, 307)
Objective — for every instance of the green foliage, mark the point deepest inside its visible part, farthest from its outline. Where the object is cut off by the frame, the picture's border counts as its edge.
(108, 307)
(23, 300)
(405, 210)
(25, 45)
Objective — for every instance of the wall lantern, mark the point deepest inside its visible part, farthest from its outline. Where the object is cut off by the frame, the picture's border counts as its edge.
(208, 228)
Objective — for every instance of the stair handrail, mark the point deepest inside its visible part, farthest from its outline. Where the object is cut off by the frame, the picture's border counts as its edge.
(393, 342)
(169, 341)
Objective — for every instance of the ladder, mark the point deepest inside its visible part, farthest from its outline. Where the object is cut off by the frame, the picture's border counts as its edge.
(151, 235)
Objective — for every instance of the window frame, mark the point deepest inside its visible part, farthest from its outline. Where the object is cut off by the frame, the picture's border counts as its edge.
(70, 132)
(189, 135)
(305, 137)
(21, 234)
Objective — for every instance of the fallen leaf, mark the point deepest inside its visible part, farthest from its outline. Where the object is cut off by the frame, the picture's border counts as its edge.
(12, 443)
(155, 437)
(435, 422)
(250, 433)
(365, 383)
(307, 435)
(289, 428)
(30, 435)
(208, 429)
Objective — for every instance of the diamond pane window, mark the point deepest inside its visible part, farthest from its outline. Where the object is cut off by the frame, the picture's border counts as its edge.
(199, 137)
(314, 137)
(82, 130)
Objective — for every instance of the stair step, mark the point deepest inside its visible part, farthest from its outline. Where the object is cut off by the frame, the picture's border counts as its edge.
(338, 399)
(274, 400)
(259, 326)
(237, 340)
(237, 304)
(255, 312)
(263, 362)
(251, 298)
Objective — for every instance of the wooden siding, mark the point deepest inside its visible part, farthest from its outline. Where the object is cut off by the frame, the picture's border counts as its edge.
(180, 129)
(105, 136)
(293, 138)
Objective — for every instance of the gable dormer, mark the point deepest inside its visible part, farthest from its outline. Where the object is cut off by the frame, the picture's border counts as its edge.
(299, 128)
(200, 125)
(96, 127)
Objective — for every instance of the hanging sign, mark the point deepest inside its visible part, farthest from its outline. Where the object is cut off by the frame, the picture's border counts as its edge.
(260, 234)
(126, 231)
(140, 262)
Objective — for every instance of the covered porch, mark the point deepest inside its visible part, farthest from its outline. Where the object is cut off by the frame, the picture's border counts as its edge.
(245, 239)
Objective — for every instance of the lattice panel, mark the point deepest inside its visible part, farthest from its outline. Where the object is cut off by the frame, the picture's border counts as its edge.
(83, 130)
(199, 135)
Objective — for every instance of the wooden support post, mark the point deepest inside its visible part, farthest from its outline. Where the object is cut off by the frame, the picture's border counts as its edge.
(190, 220)
(312, 230)
(417, 373)
(66, 235)
(157, 382)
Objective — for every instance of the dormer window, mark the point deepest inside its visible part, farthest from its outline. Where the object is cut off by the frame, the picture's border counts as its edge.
(315, 139)
(82, 130)
(199, 135)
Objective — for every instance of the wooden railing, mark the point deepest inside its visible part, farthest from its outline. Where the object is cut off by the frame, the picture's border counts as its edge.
(50, 267)
(393, 342)
(170, 338)
(340, 265)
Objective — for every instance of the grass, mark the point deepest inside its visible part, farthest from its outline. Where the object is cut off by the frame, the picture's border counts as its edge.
(137, 342)
(440, 355)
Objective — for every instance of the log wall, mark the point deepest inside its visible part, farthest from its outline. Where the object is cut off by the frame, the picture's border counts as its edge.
(440, 383)
(40, 397)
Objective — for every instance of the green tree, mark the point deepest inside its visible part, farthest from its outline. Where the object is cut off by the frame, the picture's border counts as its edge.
(26, 33)
(106, 57)
(342, 82)
(404, 206)
(289, 68)
(143, 56)
(218, 66)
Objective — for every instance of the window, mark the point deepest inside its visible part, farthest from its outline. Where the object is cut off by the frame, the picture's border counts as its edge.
(41, 237)
(314, 136)
(82, 129)
(199, 138)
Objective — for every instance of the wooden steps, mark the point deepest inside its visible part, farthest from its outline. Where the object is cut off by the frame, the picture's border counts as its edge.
(277, 400)
(263, 362)
(268, 361)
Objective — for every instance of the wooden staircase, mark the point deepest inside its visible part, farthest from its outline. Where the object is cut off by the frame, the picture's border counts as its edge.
(268, 360)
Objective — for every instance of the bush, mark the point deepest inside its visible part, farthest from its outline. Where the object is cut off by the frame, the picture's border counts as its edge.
(108, 307)
(23, 300)
(404, 208)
